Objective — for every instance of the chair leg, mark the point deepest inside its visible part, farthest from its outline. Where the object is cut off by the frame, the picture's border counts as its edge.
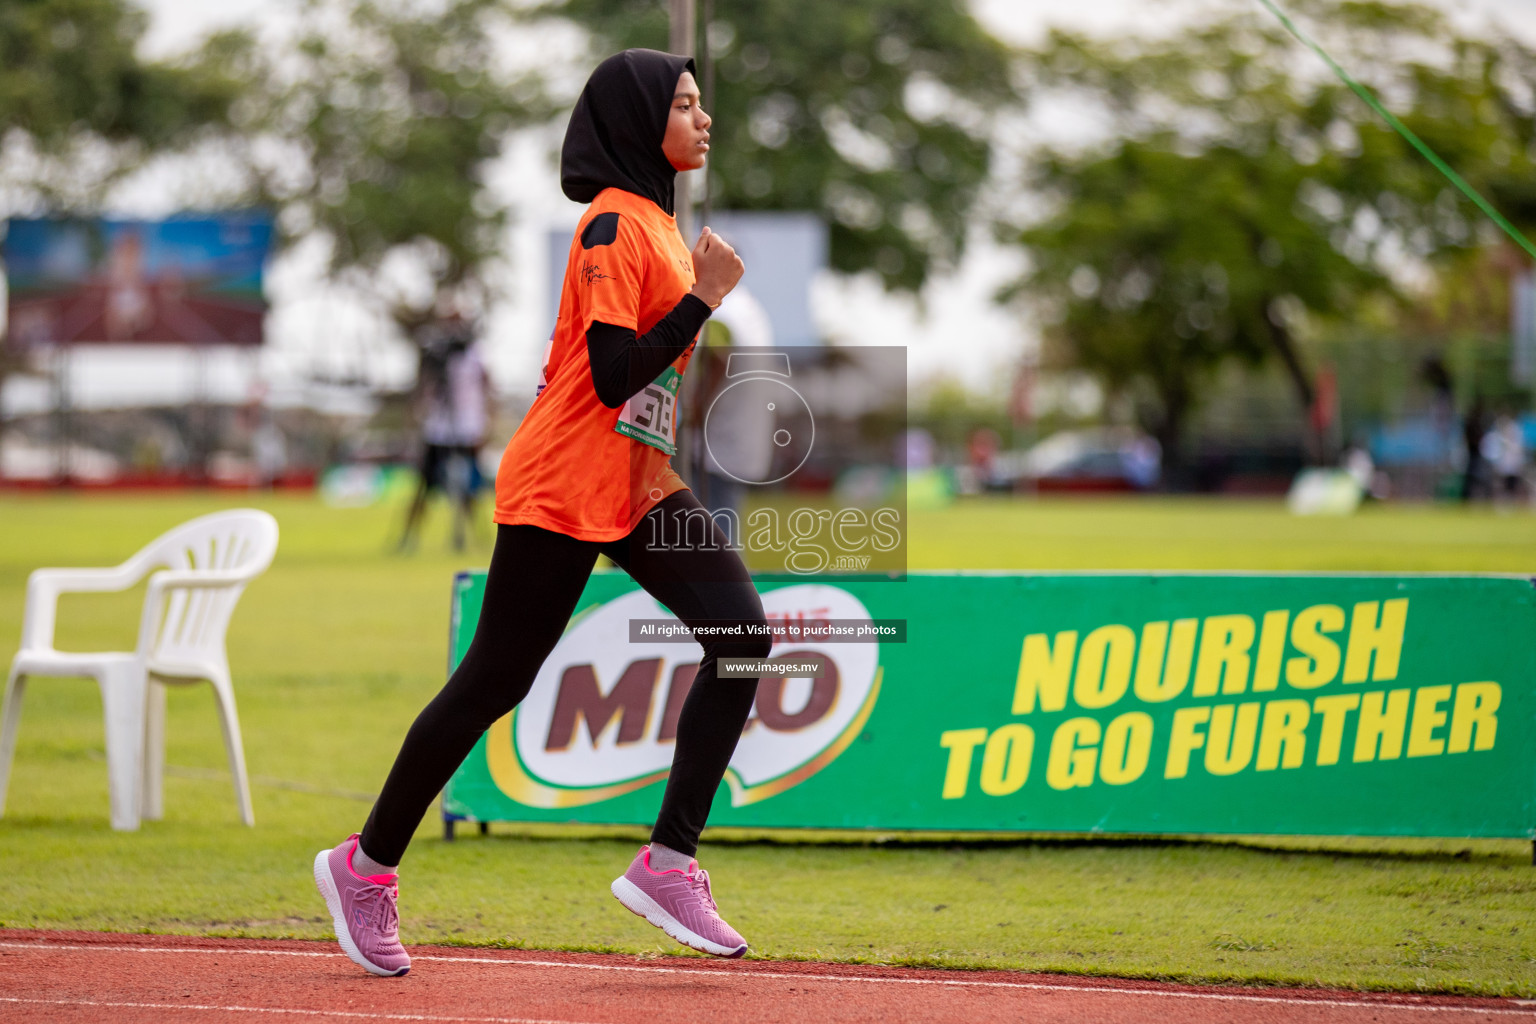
(123, 701)
(229, 721)
(154, 751)
(10, 717)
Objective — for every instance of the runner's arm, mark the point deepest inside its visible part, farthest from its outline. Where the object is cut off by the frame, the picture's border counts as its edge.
(623, 363)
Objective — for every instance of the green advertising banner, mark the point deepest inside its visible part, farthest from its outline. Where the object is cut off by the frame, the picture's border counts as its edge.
(1333, 705)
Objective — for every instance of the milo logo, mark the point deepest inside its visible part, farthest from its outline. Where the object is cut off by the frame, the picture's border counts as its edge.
(601, 719)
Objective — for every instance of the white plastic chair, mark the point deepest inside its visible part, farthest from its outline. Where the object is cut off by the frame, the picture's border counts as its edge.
(203, 566)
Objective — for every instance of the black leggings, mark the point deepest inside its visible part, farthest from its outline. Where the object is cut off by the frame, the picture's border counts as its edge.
(535, 580)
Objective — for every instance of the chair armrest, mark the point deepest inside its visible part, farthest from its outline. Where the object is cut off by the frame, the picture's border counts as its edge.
(168, 579)
(45, 586)
(184, 579)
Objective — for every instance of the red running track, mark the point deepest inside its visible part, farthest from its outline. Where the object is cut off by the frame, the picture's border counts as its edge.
(89, 976)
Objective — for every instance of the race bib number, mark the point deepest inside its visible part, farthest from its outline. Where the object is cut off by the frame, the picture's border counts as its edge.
(650, 416)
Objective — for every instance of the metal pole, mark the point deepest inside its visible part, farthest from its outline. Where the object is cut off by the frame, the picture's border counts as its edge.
(707, 91)
(202, 433)
(63, 427)
(682, 33)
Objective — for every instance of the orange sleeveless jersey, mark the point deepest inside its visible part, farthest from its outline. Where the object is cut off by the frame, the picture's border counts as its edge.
(567, 469)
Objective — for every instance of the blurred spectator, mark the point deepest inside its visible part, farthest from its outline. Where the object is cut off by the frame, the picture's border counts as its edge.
(981, 450)
(917, 449)
(1143, 462)
(1472, 428)
(269, 450)
(1357, 462)
(1503, 448)
(453, 401)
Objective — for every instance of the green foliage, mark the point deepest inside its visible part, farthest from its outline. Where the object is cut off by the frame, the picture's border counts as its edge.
(70, 77)
(337, 647)
(1163, 266)
(875, 113)
(951, 413)
(376, 126)
(68, 66)
(1239, 196)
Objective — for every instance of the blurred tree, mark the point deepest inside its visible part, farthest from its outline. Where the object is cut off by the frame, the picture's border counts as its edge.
(1237, 190)
(372, 131)
(1161, 266)
(79, 108)
(877, 114)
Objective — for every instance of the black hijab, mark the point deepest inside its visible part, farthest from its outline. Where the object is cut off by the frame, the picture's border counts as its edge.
(614, 138)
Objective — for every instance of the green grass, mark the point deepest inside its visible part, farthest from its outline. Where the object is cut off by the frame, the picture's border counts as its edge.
(337, 647)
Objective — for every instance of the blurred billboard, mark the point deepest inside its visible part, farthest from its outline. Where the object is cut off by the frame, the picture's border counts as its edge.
(193, 280)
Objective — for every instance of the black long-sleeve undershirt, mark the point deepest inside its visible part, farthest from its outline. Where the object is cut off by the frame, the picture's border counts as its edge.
(623, 363)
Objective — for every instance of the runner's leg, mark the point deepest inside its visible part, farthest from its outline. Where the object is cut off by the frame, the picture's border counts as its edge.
(430, 471)
(535, 579)
(699, 581)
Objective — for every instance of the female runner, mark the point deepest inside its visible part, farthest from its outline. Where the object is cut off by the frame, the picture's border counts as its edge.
(588, 473)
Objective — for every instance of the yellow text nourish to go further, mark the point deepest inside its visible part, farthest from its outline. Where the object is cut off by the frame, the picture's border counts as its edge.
(1220, 656)
(1225, 739)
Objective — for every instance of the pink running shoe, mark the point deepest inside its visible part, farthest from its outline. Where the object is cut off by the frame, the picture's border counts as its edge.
(679, 903)
(363, 907)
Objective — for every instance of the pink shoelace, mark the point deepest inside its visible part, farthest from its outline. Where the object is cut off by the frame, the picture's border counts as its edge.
(700, 884)
(383, 900)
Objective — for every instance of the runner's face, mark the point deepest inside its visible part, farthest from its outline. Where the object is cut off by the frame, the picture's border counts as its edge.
(686, 142)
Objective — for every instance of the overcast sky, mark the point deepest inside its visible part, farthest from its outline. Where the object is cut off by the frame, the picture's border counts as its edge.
(179, 23)
(957, 332)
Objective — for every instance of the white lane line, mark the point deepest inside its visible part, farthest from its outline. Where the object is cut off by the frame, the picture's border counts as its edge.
(742, 976)
(275, 1009)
